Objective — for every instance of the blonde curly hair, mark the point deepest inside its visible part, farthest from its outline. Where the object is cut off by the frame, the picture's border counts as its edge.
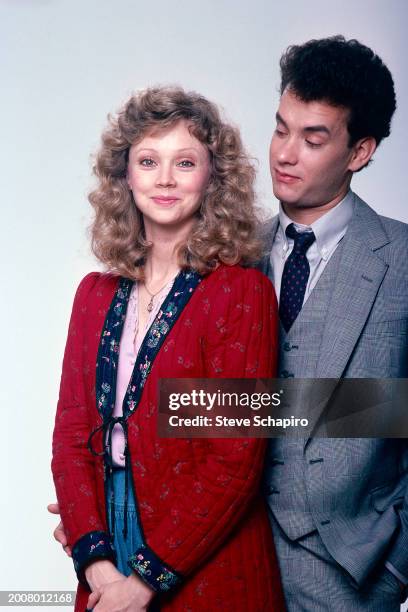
(225, 226)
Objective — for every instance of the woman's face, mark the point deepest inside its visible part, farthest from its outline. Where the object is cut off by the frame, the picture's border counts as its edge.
(168, 173)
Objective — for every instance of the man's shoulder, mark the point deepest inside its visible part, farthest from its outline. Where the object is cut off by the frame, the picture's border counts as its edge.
(267, 228)
(266, 233)
(269, 223)
(394, 227)
(395, 230)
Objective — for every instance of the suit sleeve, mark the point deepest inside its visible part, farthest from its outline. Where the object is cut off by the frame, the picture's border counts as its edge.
(398, 555)
(240, 342)
(72, 464)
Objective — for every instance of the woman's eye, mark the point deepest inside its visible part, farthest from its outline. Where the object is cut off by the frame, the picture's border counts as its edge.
(147, 161)
(186, 163)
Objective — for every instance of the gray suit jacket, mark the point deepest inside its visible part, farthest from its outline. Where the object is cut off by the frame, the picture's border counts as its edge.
(359, 502)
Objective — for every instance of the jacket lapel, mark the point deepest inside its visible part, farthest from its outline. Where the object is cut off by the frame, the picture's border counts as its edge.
(108, 352)
(267, 235)
(359, 276)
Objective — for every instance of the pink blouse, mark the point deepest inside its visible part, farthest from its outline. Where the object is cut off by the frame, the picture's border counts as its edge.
(132, 338)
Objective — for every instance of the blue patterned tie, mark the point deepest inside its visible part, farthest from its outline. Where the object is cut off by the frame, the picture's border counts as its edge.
(295, 276)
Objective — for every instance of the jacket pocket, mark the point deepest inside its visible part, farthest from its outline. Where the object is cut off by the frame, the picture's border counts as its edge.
(394, 327)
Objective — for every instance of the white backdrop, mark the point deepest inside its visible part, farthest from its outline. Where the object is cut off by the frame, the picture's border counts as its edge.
(64, 65)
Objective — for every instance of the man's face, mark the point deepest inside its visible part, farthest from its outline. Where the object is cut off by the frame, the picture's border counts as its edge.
(309, 154)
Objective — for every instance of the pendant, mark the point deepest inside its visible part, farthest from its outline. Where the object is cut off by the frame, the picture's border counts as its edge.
(150, 305)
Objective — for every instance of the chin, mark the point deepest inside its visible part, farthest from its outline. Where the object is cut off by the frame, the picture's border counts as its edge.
(286, 196)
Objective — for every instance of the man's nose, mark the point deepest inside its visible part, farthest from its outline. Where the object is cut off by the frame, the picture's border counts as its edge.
(165, 176)
(288, 152)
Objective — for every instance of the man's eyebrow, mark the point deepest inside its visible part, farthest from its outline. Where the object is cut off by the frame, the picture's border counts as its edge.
(308, 129)
(317, 128)
(280, 120)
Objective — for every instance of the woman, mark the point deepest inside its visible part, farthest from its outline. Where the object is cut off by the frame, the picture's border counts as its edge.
(183, 526)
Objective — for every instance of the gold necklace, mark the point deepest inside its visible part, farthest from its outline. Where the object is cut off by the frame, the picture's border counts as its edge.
(153, 295)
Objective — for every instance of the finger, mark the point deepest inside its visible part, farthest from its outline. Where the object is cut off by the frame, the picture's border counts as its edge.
(59, 534)
(53, 508)
(67, 551)
(93, 599)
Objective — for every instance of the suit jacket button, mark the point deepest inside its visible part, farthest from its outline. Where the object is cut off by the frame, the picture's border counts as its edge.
(276, 461)
(286, 346)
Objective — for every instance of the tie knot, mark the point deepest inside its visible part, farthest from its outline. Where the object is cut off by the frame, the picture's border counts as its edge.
(302, 240)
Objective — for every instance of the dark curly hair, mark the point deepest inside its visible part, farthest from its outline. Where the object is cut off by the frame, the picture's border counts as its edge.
(343, 73)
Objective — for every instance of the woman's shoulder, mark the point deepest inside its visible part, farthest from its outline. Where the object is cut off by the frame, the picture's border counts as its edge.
(237, 277)
(241, 296)
(229, 286)
(94, 286)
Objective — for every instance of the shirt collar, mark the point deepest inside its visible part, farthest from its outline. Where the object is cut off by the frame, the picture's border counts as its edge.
(329, 229)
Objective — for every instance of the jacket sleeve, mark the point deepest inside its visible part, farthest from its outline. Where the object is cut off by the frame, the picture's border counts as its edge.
(398, 554)
(240, 342)
(72, 463)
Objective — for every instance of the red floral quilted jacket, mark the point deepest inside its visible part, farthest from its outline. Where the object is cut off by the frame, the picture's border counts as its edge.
(199, 501)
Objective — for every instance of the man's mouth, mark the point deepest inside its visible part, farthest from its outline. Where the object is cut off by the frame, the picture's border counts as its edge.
(283, 177)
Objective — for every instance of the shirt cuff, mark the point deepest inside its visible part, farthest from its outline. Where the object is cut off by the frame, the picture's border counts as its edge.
(92, 546)
(396, 573)
(153, 571)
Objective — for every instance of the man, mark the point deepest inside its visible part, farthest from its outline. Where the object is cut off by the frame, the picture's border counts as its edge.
(338, 507)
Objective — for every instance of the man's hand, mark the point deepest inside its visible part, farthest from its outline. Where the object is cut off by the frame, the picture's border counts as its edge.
(59, 533)
(130, 594)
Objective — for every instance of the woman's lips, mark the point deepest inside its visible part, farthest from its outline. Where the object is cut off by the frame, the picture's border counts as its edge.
(164, 200)
(286, 178)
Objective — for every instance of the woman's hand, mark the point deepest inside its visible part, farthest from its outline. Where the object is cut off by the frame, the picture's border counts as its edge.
(59, 533)
(129, 594)
(100, 573)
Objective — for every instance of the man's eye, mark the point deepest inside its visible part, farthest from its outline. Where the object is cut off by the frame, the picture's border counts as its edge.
(186, 163)
(280, 133)
(147, 161)
(313, 145)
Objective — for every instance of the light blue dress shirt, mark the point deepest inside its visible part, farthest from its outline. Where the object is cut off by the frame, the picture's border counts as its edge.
(329, 229)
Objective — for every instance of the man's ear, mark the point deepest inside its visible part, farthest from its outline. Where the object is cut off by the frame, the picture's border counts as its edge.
(363, 150)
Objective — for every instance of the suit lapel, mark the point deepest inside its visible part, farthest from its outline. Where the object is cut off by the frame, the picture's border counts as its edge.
(354, 274)
(268, 232)
(359, 275)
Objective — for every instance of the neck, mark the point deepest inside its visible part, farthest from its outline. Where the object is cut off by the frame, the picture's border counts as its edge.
(162, 262)
(309, 214)
(160, 267)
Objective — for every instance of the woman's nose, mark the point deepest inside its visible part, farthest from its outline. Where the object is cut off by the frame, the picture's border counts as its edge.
(165, 176)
